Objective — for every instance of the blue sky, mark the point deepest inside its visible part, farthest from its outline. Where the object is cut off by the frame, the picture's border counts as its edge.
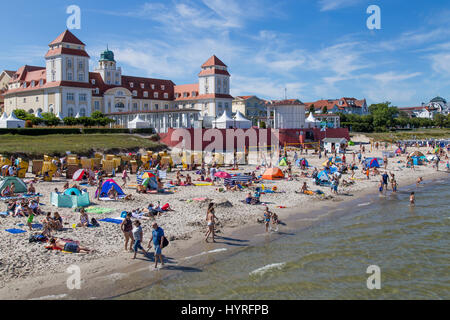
(314, 48)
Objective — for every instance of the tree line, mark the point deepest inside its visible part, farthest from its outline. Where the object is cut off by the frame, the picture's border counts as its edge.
(97, 118)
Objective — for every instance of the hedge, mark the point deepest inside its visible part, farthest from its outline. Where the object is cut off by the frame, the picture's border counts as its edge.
(48, 131)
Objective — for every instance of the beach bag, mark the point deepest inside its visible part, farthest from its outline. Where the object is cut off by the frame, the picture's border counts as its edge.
(165, 207)
(94, 222)
(165, 243)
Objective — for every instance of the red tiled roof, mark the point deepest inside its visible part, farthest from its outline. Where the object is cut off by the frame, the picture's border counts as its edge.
(187, 89)
(9, 72)
(67, 37)
(213, 61)
(208, 72)
(245, 97)
(320, 104)
(286, 102)
(70, 51)
(51, 85)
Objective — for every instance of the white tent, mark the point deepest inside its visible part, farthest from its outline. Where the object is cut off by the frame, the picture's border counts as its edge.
(241, 121)
(138, 123)
(11, 122)
(59, 116)
(77, 116)
(223, 122)
(312, 122)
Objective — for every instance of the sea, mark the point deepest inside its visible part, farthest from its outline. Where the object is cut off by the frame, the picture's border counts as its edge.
(378, 248)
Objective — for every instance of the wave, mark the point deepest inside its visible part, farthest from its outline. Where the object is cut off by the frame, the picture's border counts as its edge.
(267, 268)
(206, 252)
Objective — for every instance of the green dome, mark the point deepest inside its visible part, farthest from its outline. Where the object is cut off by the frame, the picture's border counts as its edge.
(107, 55)
(438, 99)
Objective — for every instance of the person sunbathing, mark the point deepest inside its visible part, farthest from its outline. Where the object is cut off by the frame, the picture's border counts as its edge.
(63, 245)
(84, 219)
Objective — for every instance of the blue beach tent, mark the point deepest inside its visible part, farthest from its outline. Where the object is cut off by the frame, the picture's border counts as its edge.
(108, 184)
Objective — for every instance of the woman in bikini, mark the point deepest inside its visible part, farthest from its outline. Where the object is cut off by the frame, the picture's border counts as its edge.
(127, 226)
(211, 220)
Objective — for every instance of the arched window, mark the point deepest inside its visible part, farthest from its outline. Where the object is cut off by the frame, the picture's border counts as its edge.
(82, 112)
(70, 112)
(120, 105)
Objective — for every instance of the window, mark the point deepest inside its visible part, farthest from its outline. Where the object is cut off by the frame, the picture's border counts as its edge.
(82, 112)
(166, 95)
(153, 86)
(226, 105)
(146, 107)
(120, 105)
(134, 93)
(70, 112)
(146, 94)
(155, 94)
(97, 91)
(70, 97)
(163, 87)
(53, 76)
(135, 106)
(69, 63)
(37, 99)
(80, 65)
(194, 93)
(166, 106)
(131, 84)
(142, 85)
(24, 85)
(81, 77)
(117, 82)
(156, 106)
(93, 81)
(32, 83)
(24, 100)
(83, 97)
(97, 105)
(41, 82)
(119, 93)
(108, 74)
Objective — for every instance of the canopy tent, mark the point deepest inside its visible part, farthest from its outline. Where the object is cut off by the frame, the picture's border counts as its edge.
(241, 122)
(273, 174)
(11, 122)
(312, 122)
(398, 151)
(224, 122)
(431, 157)
(19, 185)
(59, 116)
(416, 154)
(138, 123)
(417, 161)
(107, 185)
(78, 116)
(372, 163)
(70, 201)
(323, 176)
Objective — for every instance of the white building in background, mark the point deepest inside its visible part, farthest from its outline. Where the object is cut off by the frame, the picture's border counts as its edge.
(436, 105)
(287, 114)
(66, 88)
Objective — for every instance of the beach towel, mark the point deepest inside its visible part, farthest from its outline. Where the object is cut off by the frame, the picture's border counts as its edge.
(5, 213)
(15, 231)
(106, 199)
(116, 221)
(98, 210)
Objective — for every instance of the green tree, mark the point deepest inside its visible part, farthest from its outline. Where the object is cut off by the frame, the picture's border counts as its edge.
(325, 110)
(439, 120)
(311, 108)
(70, 121)
(50, 119)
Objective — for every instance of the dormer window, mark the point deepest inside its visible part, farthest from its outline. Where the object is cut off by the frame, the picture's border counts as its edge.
(142, 85)
(93, 81)
(32, 83)
(153, 86)
(131, 84)
(146, 94)
(185, 94)
(97, 91)
(134, 93)
(193, 93)
(24, 85)
(155, 95)
(41, 82)
(166, 95)
(163, 87)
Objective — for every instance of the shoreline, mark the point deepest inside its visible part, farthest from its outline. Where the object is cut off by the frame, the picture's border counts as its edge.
(113, 277)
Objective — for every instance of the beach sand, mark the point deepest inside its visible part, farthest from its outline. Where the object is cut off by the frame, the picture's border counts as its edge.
(28, 270)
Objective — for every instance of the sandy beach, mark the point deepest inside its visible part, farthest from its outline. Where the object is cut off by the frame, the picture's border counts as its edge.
(28, 270)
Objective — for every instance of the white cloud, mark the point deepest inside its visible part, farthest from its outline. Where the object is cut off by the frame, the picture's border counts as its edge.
(328, 5)
(440, 63)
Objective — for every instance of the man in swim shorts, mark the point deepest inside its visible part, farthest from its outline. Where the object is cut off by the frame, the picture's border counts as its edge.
(157, 238)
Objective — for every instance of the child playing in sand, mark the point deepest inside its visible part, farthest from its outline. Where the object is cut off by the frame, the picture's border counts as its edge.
(30, 218)
(84, 219)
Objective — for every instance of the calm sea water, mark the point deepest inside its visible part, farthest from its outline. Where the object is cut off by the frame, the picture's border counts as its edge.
(411, 245)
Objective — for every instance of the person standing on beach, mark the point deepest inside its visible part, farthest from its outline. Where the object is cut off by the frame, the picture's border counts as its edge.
(125, 176)
(385, 160)
(267, 217)
(158, 239)
(385, 179)
(127, 227)
(211, 221)
(394, 185)
(138, 236)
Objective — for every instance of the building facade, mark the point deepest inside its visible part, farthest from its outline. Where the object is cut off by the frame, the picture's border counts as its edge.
(66, 87)
(5, 77)
(252, 107)
(342, 105)
(436, 105)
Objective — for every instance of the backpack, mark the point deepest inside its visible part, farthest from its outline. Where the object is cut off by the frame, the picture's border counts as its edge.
(94, 222)
(165, 243)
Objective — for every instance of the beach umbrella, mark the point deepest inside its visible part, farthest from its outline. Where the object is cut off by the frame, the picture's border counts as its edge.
(222, 174)
(78, 175)
(273, 174)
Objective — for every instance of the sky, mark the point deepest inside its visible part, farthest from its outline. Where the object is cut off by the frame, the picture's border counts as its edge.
(315, 49)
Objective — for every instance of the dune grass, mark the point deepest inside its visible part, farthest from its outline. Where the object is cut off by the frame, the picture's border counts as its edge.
(58, 144)
(434, 133)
